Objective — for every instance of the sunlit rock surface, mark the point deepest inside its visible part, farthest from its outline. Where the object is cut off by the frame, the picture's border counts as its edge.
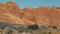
(42, 16)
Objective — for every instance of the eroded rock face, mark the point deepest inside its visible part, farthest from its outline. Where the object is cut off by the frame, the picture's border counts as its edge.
(42, 16)
(9, 11)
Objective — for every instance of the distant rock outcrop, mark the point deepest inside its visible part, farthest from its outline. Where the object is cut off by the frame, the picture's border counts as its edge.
(42, 16)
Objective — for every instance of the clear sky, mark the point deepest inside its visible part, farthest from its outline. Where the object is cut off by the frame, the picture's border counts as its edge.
(34, 3)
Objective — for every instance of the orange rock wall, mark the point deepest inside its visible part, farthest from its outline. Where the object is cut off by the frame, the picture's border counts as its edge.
(42, 16)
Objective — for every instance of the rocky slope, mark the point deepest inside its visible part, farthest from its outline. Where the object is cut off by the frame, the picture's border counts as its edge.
(42, 16)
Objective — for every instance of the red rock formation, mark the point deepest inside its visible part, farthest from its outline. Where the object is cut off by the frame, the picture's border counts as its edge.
(8, 11)
(42, 16)
(55, 16)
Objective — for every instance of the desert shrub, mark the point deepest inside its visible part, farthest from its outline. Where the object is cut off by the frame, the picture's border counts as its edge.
(49, 32)
(33, 27)
(9, 32)
(43, 26)
(54, 27)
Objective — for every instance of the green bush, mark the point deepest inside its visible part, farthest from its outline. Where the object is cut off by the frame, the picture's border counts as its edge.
(33, 27)
(54, 27)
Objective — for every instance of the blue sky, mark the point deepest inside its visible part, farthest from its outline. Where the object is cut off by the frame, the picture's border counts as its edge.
(34, 3)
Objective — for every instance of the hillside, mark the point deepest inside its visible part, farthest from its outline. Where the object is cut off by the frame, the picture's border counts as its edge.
(42, 16)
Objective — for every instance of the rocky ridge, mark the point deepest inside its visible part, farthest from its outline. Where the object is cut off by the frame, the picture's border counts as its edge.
(42, 16)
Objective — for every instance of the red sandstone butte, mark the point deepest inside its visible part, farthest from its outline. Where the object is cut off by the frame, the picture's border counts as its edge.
(42, 16)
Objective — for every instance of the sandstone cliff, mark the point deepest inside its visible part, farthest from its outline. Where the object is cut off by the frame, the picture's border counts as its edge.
(42, 16)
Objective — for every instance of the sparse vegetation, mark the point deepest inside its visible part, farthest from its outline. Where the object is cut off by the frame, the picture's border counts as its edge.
(43, 26)
(49, 32)
(33, 27)
(54, 27)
